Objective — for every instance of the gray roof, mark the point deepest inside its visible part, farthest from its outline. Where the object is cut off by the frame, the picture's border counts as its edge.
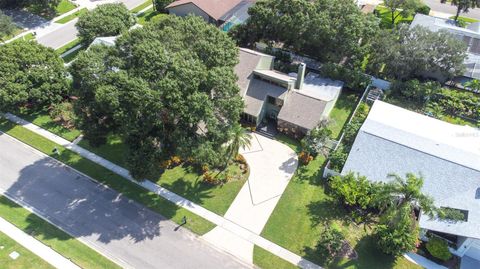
(248, 62)
(470, 35)
(257, 93)
(302, 110)
(395, 140)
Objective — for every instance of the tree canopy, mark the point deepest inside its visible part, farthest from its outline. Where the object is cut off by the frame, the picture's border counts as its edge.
(105, 20)
(406, 53)
(328, 30)
(30, 72)
(168, 88)
(403, 8)
(463, 5)
(6, 26)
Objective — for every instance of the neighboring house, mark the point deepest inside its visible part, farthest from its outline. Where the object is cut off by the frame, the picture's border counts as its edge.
(104, 40)
(296, 103)
(224, 13)
(470, 35)
(396, 140)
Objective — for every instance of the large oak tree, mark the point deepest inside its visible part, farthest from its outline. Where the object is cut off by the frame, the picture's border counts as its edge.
(168, 88)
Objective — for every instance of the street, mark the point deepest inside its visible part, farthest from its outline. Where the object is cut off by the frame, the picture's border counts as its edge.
(436, 5)
(121, 229)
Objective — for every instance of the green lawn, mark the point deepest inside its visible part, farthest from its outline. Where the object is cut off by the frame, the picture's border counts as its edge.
(386, 17)
(265, 259)
(16, 32)
(71, 16)
(51, 236)
(114, 181)
(182, 180)
(51, 12)
(142, 6)
(70, 57)
(26, 259)
(150, 16)
(43, 119)
(342, 111)
(305, 209)
(465, 19)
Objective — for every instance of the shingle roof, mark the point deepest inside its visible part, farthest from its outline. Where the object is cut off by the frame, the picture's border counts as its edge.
(257, 92)
(214, 8)
(248, 62)
(395, 140)
(302, 110)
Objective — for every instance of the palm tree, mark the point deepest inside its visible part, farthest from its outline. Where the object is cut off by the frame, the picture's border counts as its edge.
(240, 139)
(400, 193)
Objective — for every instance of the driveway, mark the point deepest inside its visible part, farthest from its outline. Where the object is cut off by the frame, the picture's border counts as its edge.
(116, 226)
(272, 164)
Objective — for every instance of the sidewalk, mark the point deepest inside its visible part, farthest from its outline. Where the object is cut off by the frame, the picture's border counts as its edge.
(35, 246)
(234, 229)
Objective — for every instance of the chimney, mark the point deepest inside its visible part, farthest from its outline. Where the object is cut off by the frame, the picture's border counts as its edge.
(300, 76)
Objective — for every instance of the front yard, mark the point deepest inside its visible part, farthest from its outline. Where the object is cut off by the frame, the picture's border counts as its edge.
(385, 16)
(306, 208)
(26, 258)
(50, 12)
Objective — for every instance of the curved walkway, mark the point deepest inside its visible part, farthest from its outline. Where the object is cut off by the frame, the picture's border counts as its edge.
(272, 164)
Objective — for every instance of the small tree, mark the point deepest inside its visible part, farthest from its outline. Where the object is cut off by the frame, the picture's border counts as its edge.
(105, 20)
(159, 5)
(354, 190)
(240, 139)
(6, 26)
(330, 243)
(315, 142)
(463, 6)
(404, 8)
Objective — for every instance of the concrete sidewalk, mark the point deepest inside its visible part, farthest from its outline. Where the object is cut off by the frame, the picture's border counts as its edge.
(35, 246)
(272, 165)
(235, 229)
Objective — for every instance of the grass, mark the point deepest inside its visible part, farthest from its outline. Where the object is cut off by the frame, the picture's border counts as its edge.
(141, 7)
(305, 208)
(16, 32)
(70, 57)
(49, 12)
(265, 259)
(43, 119)
(28, 37)
(26, 259)
(465, 19)
(386, 17)
(153, 201)
(72, 16)
(183, 180)
(150, 16)
(51, 236)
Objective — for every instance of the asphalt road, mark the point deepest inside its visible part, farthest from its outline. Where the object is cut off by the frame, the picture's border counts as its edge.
(126, 231)
(436, 5)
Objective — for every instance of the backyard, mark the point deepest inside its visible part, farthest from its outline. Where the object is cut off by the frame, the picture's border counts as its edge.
(305, 208)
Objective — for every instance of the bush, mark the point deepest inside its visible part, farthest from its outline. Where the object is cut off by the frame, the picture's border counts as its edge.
(337, 160)
(159, 5)
(438, 248)
(451, 214)
(354, 79)
(330, 243)
(416, 90)
(423, 10)
(305, 158)
(354, 190)
(63, 113)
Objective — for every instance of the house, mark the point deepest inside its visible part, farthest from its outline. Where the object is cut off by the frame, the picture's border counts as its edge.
(396, 140)
(294, 103)
(470, 35)
(224, 13)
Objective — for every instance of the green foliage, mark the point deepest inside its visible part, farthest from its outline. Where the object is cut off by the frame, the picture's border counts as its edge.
(438, 248)
(328, 30)
(354, 79)
(315, 142)
(105, 20)
(451, 214)
(30, 73)
(162, 90)
(416, 90)
(424, 9)
(7, 27)
(338, 159)
(416, 52)
(240, 139)
(63, 113)
(159, 5)
(402, 8)
(397, 232)
(354, 190)
(462, 5)
(330, 243)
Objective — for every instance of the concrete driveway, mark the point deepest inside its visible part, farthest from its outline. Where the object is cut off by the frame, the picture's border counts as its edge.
(272, 165)
(121, 229)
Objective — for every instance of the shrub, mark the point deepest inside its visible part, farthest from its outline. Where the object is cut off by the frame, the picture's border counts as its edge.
(330, 243)
(354, 79)
(416, 90)
(175, 160)
(305, 158)
(451, 214)
(423, 10)
(166, 164)
(353, 190)
(337, 160)
(63, 113)
(240, 159)
(438, 248)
